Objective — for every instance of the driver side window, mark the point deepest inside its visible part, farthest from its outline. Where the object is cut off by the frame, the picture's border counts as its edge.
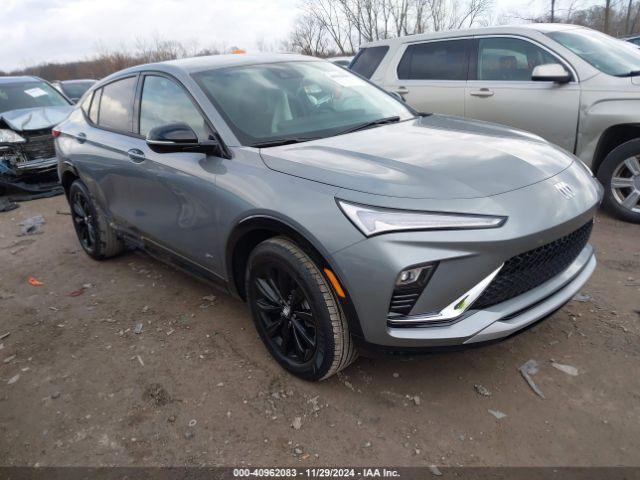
(510, 59)
(164, 101)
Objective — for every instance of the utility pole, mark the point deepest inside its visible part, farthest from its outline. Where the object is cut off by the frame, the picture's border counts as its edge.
(607, 11)
(553, 11)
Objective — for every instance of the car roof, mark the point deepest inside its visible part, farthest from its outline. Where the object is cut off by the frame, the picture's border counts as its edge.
(18, 79)
(77, 80)
(523, 29)
(210, 62)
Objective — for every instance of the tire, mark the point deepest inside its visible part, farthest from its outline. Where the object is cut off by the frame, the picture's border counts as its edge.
(614, 166)
(97, 238)
(288, 322)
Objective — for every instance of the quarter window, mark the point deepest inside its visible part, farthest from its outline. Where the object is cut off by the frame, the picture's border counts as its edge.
(164, 101)
(510, 59)
(116, 104)
(95, 106)
(435, 61)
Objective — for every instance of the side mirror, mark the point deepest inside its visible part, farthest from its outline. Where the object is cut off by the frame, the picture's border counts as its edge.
(179, 137)
(550, 72)
(397, 96)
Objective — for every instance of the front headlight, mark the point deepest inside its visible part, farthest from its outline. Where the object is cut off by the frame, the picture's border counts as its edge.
(374, 220)
(9, 136)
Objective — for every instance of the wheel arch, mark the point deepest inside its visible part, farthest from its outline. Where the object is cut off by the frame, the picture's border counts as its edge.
(612, 138)
(68, 175)
(251, 231)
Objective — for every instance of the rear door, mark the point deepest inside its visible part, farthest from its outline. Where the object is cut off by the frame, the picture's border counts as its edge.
(500, 90)
(431, 76)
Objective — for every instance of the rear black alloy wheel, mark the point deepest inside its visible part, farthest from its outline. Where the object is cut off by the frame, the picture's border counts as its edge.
(295, 311)
(285, 314)
(83, 220)
(97, 238)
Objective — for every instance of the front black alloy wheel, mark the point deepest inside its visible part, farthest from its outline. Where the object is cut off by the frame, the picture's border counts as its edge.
(285, 314)
(295, 311)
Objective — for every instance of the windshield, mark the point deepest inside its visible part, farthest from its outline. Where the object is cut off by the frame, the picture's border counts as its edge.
(605, 53)
(302, 100)
(75, 89)
(29, 95)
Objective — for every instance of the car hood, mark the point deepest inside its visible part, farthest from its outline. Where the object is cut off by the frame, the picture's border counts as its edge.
(430, 157)
(38, 118)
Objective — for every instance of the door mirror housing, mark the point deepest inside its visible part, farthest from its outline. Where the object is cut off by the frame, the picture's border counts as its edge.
(179, 137)
(550, 72)
(397, 96)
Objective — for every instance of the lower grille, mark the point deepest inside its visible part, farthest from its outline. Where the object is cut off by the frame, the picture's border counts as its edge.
(531, 269)
(38, 146)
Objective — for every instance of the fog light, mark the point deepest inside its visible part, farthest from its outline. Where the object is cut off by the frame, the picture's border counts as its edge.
(413, 275)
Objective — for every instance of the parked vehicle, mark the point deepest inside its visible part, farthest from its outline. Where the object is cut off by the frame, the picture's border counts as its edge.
(29, 108)
(635, 40)
(575, 87)
(341, 61)
(347, 221)
(74, 89)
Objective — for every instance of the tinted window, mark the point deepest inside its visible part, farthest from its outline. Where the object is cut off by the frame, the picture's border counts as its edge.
(116, 104)
(435, 61)
(95, 104)
(164, 101)
(368, 60)
(32, 94)
(86, 104)
(510, 59)
(635, 40)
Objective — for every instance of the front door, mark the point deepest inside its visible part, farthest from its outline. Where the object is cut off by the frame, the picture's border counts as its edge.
(501, 91)
(179, 188)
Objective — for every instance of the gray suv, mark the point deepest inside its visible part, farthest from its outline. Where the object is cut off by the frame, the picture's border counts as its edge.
(573, 86)
(348, 221)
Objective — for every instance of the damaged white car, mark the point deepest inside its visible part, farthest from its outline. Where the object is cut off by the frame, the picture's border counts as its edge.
(29, 108)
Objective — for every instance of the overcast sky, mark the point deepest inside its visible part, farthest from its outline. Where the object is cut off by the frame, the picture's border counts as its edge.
(36, 31)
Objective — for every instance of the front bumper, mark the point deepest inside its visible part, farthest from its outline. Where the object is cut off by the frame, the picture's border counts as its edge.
(536, 216)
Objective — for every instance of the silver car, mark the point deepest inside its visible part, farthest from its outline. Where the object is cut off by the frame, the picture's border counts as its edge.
(575, 87)
(346, 220)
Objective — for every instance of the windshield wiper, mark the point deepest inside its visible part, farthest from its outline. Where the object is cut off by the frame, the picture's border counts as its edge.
(373, 123)
(281, 141)
(632, 73)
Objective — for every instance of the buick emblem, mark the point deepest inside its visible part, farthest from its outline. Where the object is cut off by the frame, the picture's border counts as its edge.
(565, 190)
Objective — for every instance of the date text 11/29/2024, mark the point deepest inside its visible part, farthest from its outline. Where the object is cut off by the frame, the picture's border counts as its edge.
(316, 472)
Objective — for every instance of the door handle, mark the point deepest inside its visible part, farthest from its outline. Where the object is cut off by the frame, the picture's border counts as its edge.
(483, 92)
(81, 137)
(136, 155)
(402, 90)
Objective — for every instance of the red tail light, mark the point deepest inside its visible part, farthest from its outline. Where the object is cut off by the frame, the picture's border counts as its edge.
(55, 132)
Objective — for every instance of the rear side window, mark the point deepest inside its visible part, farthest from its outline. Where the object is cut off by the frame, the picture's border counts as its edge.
(447, 60)
(368, 60)
(116, 105)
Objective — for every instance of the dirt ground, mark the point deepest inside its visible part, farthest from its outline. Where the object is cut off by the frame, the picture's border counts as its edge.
(196, 387)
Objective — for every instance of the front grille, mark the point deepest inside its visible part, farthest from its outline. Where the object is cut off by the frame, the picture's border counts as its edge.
(38, 146)
(531, 269)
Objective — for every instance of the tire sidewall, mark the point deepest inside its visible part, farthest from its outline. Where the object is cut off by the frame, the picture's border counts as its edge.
(272, 253)
(605, 172)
